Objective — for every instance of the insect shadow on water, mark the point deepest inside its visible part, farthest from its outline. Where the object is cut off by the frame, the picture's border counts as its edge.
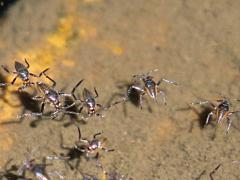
(39, 170)
(21, 72)
(3, 91)
(149, 87)
(27, 104)
(74, 118)
(72, 154)
(8, 173)
(88, 102)
(133, 96)
(89, 149)
(53, 97)
(202, 115)
(221, 110)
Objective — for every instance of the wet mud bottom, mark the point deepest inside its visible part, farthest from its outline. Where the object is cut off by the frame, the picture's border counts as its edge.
(105, 42)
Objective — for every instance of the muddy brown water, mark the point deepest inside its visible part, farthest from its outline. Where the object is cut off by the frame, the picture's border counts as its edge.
(105, 42)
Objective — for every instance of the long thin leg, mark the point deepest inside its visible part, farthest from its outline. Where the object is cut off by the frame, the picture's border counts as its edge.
(140, 76)
(108, 150)
(27, 63)
(110, 104)
(13, 81)
(54, 114)
(56, 173)
(38, 98)
(71, 112)
(43, 72)
(62, 157)
(74, 88)
(68, 106)
(208, 118)
(124, 99)
(167, 81)
(33, 113)
(95, 90)
(34, 75)
(214, 171)
(138, 88)
(6, 69)
(204, 102)
(54, 82)
(79, 133)
(80, 148)
(4, 84)
(64, 94)
(229, 121)
(154, 70)
(141, 99)
(97, 134)
(30, 114)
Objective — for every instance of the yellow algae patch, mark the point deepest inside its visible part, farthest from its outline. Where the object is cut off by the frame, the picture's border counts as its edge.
(8, 113)
(42, 56)
(9, 106)
(103, 176)
(6, 142)
(86, 30)
(114, 47)
(69, 63)
(63, 34)
(54, 46)
(39, 59)
(92, 1)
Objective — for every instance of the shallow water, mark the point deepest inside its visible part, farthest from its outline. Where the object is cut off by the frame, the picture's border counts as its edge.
(105, 42)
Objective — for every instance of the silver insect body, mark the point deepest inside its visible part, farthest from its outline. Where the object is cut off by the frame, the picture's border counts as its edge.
(50, 94)
(221, 111)
(150, 87)
(37, 169)
(92, 146)
(89, 101)
(53, 97)
(21, 71)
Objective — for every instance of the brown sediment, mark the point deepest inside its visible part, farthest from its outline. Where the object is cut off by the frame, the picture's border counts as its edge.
(106, 42)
